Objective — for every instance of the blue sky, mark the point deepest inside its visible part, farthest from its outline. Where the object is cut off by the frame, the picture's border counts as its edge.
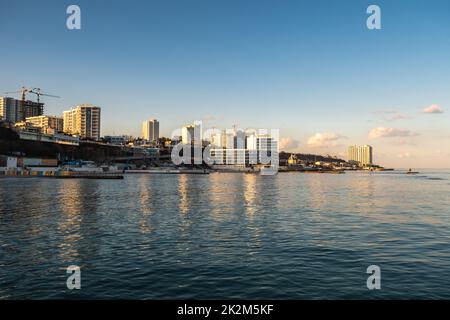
(310, 68)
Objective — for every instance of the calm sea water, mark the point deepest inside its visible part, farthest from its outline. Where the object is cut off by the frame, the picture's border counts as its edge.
(293, 236)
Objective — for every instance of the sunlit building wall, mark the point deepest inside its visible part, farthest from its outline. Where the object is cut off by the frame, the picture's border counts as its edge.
(191, 134)
(47, 122)
(150, 130)
(84, 121)
(361, 154)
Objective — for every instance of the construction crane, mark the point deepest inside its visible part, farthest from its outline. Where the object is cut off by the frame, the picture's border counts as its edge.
(38, 93)
(23, 92)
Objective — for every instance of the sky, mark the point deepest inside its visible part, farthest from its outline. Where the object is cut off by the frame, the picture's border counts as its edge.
(311, 69)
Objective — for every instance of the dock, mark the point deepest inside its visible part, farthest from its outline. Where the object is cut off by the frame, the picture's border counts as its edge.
(167, 171)
(59, 174)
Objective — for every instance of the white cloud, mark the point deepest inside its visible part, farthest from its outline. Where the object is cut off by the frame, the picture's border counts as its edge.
(391, 115)
(288, 144)
(326, 139)
(405, 155)
(382, 132)
(397, 116)
(433, 109)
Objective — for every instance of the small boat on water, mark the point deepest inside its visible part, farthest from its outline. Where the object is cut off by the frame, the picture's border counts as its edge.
(411, 172)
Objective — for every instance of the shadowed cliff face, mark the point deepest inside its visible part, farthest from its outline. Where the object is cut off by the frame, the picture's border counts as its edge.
(11, 144)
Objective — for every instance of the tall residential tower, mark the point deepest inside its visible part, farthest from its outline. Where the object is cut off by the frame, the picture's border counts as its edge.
(361, 154)
(84, 121)
(13, 110)
(150, 130)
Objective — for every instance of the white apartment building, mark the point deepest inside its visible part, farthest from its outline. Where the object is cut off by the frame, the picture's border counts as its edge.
(192, 134)
(259, 149)
(84, 121)
(216, 139)
(361, 154)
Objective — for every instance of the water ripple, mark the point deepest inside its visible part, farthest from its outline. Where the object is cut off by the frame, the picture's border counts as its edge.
(291, 236)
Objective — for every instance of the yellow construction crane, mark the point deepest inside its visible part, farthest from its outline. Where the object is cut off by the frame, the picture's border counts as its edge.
(23, 92)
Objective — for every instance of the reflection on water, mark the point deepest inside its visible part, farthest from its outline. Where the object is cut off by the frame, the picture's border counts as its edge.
(227, 236)
(183, 192)
(76, 201)
(250, 194)
(216, 194)
(71, 208)
(145, 200)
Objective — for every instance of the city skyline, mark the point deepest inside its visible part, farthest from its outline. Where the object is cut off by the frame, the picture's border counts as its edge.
(312, 70)
(222, 159)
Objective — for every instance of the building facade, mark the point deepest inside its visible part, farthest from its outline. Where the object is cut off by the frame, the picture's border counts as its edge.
(13, 110)
(192, 134)
(216, 139)
(83, 121)
(259, 149)
(235, 157)
(31, 109)
(47, 123)
(150, 130)
(117, 140)
(361, 154)
(9, 109)
(228, 139)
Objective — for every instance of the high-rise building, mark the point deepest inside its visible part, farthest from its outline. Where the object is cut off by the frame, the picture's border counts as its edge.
(246, 150)
(14, 110)
(228, 139)
(31, 109)
(251, 142)
(47, 123)
(68, 122)
(150, 130)
(267, 147)
(84, 121)
(192, 134)
(216, 139)
(239, 139)
(9, 109)
(361, 154)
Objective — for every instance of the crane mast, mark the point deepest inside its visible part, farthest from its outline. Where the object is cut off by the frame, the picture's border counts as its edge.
(23, 92)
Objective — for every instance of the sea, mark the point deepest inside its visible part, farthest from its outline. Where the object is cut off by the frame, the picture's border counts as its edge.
(227, 236)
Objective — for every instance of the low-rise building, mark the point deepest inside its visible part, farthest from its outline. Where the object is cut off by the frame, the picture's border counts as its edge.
(118, 140)
(48, 124)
